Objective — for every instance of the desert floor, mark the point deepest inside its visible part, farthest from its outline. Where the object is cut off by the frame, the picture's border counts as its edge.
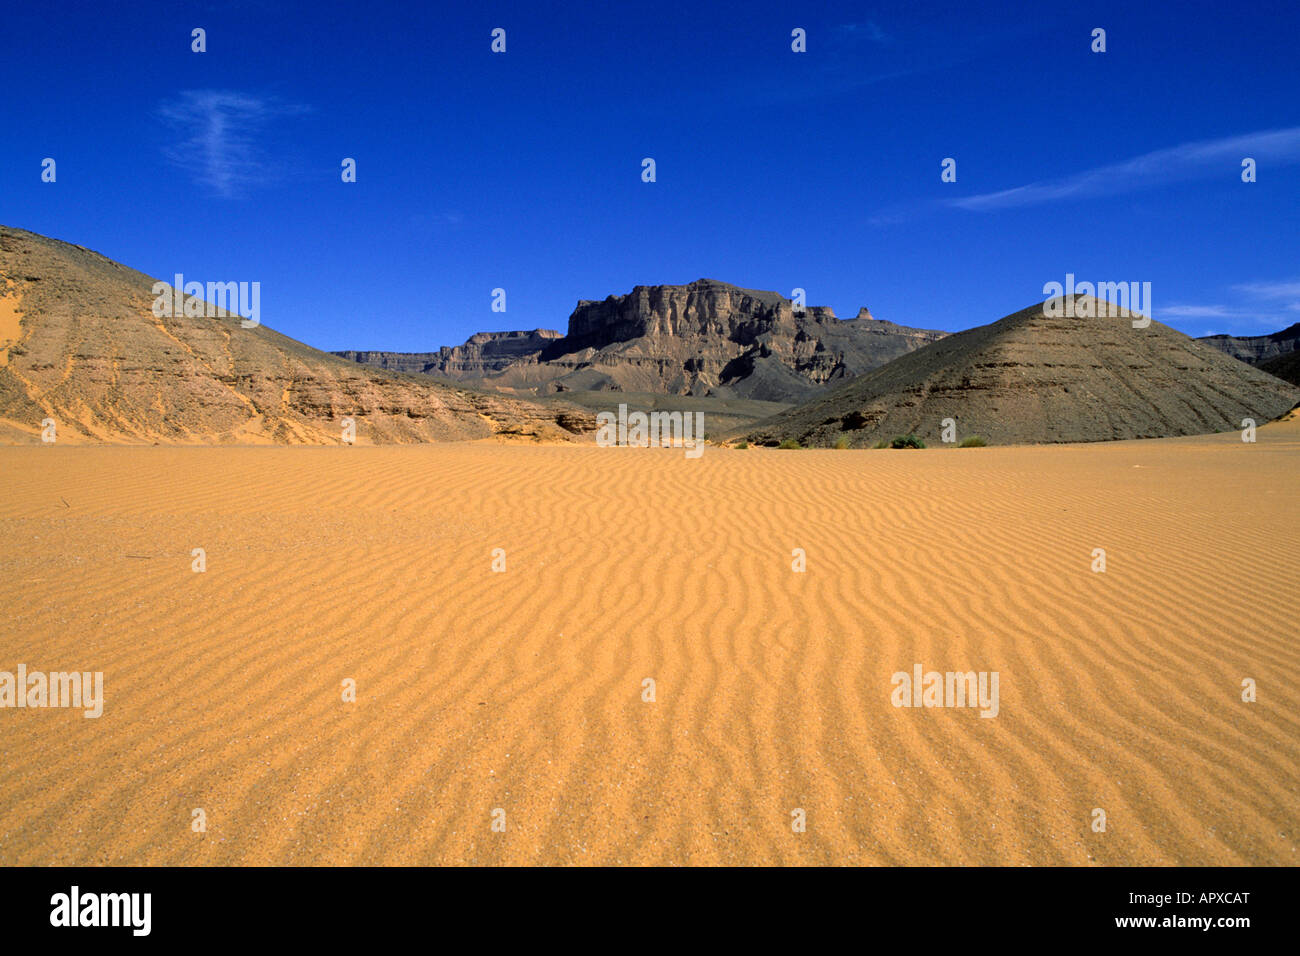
(522, 690)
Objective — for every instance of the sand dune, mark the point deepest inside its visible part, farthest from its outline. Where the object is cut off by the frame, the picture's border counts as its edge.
(522, 690)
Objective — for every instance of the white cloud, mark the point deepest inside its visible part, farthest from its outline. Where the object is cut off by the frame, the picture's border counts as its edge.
(1199, 311)
(1270, 290)
(1284, 294)
(1202, 159)
(1262, 307)
(437, 218)
(868, 30)
(218, 137)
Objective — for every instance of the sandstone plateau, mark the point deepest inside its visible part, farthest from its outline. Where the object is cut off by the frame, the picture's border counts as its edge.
(482, 355)
(1256, 349)
(707, 338)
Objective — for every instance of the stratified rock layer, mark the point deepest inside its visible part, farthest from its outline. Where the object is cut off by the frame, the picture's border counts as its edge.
(1034, 378)
(87, 351)
(1256, 349)
(707, 338)
(483, 354)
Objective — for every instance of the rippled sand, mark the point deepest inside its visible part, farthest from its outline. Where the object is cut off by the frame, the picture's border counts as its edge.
(522, 690)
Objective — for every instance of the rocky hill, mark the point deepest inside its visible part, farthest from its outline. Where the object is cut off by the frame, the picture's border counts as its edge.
(1034, 378)
(80, 344)
(1285, 367)
(1256, 348)
(707, 338)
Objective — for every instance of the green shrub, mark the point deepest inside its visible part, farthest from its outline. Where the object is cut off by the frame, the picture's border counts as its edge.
(907, 441)
(789, 443)
(883, 443)
(742, 444)
(842, 442)
(974, 441)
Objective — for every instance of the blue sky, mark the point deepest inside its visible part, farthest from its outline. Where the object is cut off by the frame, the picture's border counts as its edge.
(775, 169)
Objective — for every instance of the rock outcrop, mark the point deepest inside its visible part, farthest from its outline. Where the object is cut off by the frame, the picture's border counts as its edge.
(1035, 378)
(85, 350)
(483, 354)
(707, 338)
(1285, 367)
(1255, 349)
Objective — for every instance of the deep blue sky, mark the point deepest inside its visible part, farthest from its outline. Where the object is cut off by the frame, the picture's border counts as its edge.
(775, 169)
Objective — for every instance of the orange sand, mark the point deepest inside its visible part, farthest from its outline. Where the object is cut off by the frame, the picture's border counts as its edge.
(522, 690)
(11, 329)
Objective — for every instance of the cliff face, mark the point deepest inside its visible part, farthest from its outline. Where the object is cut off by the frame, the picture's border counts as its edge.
(705, 338)
(483, 353)
(705, 308)
(1255, 349)
(710, 337)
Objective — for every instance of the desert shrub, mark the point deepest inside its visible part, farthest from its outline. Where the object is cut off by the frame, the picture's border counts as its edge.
(907, 441)
(789, 443)
(842, 442)
(883, 443)
(974, 441)
(742, 444)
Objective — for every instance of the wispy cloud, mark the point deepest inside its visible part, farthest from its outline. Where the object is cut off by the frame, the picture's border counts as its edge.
(867, 30)
(1197, 160)
(1199, 312)
(217, 137)
(1270, 290)
(1256, 311)
(429, 220)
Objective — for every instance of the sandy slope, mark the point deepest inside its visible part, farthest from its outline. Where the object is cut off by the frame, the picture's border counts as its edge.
(80, 344)
(11, 329)
(522, 690)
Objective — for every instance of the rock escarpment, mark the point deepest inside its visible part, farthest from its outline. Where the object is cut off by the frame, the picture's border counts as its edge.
(483, 354)
(1256, 349)
(707, 338)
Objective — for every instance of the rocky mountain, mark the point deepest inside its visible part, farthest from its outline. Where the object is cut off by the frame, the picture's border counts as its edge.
(80, 344)
(1256, 348)
(1034, 378)
(1285, 367)
(483, 354)
(707, 338)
